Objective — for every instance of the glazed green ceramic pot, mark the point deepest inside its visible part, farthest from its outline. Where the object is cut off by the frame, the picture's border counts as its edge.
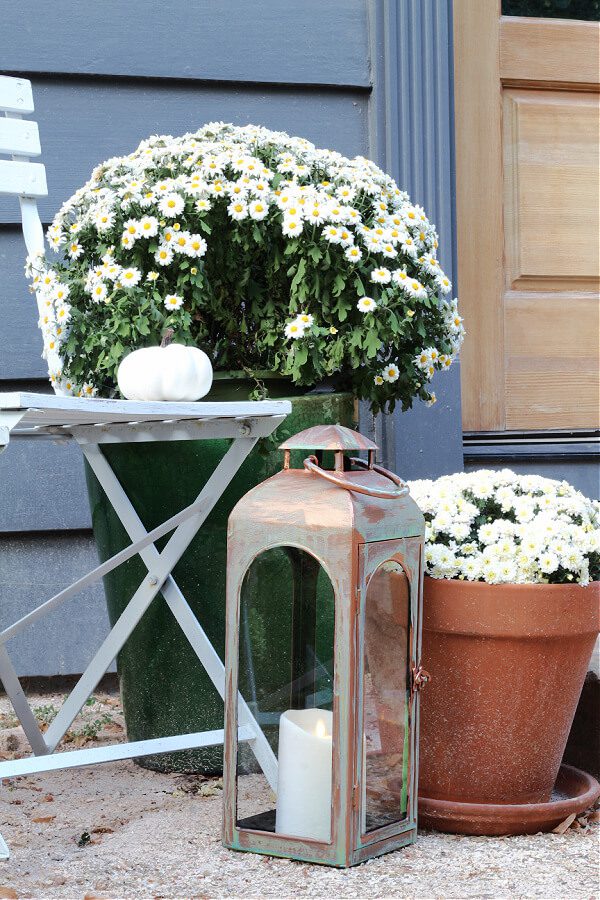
(164, 688)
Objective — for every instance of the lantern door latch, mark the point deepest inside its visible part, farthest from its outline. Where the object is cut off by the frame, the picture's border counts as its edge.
(420, 677)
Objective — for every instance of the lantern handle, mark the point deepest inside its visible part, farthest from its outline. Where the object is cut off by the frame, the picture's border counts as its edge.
(311, 464)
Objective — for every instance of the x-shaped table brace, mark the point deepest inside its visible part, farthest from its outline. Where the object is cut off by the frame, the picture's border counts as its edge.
(184, 526)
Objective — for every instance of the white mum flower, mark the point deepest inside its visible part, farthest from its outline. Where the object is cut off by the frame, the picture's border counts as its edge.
(346, 237)
(294, 330)
(391, 373)
(399, 277)
(148, 226)
(471, 568)
(180, 242)
(316, 214)
(444, 283)
(414, 288)
(332, 234)
(408, 246)
(130, 277)
(381, 276)
(173, 301)
(104, 219)
(455, 323)
(131, 227)
(354, 253)
(292, 226)
(196, 246)
(99, 292)
(258, 209)
(549, 562)
(63, 312)
(60, 292)
(366, 304)
(74, 249)
(238, 210)
(171, 205)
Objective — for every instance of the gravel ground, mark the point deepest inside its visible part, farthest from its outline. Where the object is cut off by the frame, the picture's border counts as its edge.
(151, 835)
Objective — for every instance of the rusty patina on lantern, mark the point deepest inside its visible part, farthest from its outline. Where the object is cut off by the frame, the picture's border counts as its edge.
(334, 723)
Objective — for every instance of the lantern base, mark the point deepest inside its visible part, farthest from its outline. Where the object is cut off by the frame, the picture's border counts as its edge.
(314, 852)
(573, 792)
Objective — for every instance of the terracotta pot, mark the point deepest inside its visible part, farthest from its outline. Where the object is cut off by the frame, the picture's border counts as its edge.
(507, 665)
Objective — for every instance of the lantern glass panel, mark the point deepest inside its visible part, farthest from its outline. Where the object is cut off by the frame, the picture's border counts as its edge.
(286, 677)
(386, 697)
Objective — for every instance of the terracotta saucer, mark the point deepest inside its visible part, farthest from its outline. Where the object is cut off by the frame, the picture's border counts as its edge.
(573, 792)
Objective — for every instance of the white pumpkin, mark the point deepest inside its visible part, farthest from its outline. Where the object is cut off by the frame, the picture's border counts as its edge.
(173, 372)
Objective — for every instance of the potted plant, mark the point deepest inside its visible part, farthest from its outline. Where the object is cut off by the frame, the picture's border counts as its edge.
(299, 272)
(511, 615)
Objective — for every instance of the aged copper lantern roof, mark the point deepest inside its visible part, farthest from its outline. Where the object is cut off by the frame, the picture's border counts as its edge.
(328, 437)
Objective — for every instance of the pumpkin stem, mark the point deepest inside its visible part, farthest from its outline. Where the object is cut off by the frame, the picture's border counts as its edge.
(167, 337)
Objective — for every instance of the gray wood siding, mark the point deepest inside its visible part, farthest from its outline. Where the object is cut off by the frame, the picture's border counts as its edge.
(413, 133)
(31, 571)
(323, 42)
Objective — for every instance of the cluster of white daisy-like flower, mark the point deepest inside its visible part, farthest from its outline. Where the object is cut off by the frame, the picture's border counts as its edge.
(497, 526)
(242, 231)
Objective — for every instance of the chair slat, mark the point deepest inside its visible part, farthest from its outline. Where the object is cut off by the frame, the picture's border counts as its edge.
(19, 137)
(15, 95)
(25, 179)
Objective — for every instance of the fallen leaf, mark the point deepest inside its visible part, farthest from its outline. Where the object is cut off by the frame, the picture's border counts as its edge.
(48, 798)
(102, 829)
(8, 893)
(43, 818)
(209, 790)
(560, 829)
(594, 816)
(113, 727)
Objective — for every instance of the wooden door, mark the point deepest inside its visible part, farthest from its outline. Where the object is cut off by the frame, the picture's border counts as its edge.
(528, 200)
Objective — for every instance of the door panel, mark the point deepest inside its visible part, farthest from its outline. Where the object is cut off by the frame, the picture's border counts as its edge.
(551, 360)
(550, 169)
(528, 201)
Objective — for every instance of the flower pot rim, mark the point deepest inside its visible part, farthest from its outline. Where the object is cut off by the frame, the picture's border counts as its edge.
(513, 611)
(514, 586)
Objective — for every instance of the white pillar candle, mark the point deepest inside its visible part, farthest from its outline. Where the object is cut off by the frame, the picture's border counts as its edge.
(304, 779)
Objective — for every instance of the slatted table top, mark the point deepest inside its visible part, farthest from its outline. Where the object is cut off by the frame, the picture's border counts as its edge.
(48, 409)
(24, 413)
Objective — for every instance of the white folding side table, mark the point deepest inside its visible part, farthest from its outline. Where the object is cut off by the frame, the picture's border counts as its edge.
(90, 423)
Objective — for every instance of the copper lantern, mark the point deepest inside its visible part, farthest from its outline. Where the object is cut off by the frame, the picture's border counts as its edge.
(321, 748)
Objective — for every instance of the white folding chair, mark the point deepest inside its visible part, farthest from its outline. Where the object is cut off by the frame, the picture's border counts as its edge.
(91, 423)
